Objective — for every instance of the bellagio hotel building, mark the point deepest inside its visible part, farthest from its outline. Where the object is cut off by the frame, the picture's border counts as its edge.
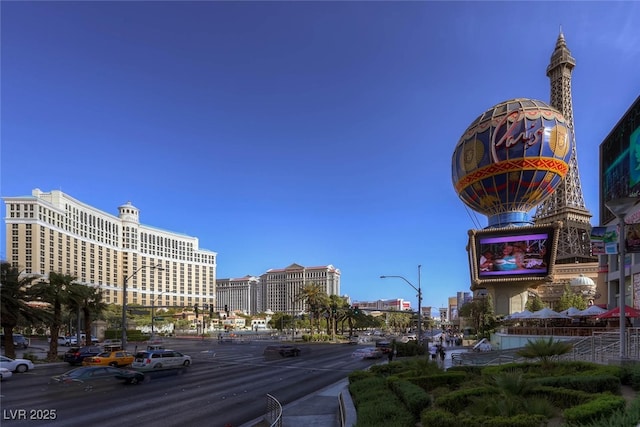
(53, 232)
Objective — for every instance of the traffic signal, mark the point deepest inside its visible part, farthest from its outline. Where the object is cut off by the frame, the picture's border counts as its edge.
(211, 311)
(195, 307)
(226, 309)
(356, 310)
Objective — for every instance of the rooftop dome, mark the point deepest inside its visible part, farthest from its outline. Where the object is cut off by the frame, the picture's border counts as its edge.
(582, 280)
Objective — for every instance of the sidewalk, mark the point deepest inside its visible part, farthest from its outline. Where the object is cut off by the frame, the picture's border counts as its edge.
(320, 409)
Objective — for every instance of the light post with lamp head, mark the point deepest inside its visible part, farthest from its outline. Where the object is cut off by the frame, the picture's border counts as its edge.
(124, 301)
(419, 290)
(153, 313)
(620, 207)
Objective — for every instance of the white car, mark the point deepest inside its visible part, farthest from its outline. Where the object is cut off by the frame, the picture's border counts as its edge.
(160, 359)
(367, 353)
(61, 340)
(4, 374)
(16, 365)
(73, 340)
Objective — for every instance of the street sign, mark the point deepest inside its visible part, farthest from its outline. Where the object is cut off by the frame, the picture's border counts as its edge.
(158, 319)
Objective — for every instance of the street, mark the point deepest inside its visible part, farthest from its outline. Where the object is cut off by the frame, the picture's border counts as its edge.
(226, 385)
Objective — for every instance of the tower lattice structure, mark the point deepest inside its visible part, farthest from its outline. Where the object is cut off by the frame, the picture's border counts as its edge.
(566, 204)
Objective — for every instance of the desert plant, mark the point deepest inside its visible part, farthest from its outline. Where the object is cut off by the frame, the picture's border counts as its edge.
(545, 350)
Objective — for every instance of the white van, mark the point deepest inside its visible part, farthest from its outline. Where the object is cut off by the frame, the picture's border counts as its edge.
(151, 360)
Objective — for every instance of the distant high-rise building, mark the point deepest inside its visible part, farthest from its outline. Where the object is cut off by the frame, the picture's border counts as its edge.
(397, 304)
(53, 232)
(280, 288)
(241, 294)
(566, 204)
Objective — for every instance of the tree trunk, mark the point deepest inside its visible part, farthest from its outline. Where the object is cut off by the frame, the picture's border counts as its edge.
(87, 324)
(52, 355)
(9, 349)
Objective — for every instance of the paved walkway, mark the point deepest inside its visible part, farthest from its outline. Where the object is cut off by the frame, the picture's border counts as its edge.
(321, 409)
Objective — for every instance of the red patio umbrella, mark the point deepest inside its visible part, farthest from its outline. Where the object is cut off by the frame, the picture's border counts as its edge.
(615, 313)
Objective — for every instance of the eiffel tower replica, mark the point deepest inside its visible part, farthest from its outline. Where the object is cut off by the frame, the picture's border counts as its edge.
(566, 204)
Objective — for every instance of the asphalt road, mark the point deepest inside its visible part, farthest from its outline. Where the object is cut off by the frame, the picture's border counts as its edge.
(226, 385)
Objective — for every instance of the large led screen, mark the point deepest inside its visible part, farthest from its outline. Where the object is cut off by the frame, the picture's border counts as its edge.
(620, 161)
(512, 254)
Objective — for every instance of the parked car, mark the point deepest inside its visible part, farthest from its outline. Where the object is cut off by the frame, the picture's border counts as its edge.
(73, 340)
(110, 358)
(16, 365)
(160, 359)
(281, 350)
(92, 376)
(62, 340)
(75, 355)
(4, 374)
(111, 343)
(384, 346)
(367, 353)
(19, 341)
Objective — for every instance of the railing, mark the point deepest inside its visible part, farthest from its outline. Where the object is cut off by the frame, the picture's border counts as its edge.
(602, 346)
(565, 331)
(274, 412)
(343, 415)
(484, 358)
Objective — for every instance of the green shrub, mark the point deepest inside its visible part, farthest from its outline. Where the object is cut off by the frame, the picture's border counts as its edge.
(560, 397)
(418, 366)
(368, 389)
(471, 370)
(377, 405)
(602, 406)
(515, 421)
(449, 379)
(590, 384)
(409, 349)
(413, 397)
(458, 400)
(623, 418)
(438, 417)
(359, 375)
(536, 370)
(630, 375)
(387, 369)
(29, 356)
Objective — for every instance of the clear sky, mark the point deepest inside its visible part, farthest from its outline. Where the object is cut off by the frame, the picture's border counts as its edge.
(296, 132)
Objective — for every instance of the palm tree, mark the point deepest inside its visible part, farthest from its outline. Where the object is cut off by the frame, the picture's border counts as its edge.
(55, 293)
(93, 309)
(86, 300)
(480, 312)
(13, 303)
(316, 300)
(546, 350)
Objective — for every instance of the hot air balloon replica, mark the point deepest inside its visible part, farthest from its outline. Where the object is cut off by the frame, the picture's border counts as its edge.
(509, 160)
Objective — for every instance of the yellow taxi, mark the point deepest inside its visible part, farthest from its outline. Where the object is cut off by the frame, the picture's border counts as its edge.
(109, 358)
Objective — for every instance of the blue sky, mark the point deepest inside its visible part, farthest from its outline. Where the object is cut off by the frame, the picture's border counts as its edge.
(308, 132)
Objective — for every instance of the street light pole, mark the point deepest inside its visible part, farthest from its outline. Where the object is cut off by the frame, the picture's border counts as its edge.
(153, 313)
(124, 301)
(620, 207)
(419, 290)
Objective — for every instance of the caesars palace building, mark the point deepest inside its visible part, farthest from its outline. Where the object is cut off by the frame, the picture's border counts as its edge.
(53, 232)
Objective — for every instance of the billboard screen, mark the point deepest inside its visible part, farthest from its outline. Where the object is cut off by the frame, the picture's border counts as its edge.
(512, 254)
(620, 161)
